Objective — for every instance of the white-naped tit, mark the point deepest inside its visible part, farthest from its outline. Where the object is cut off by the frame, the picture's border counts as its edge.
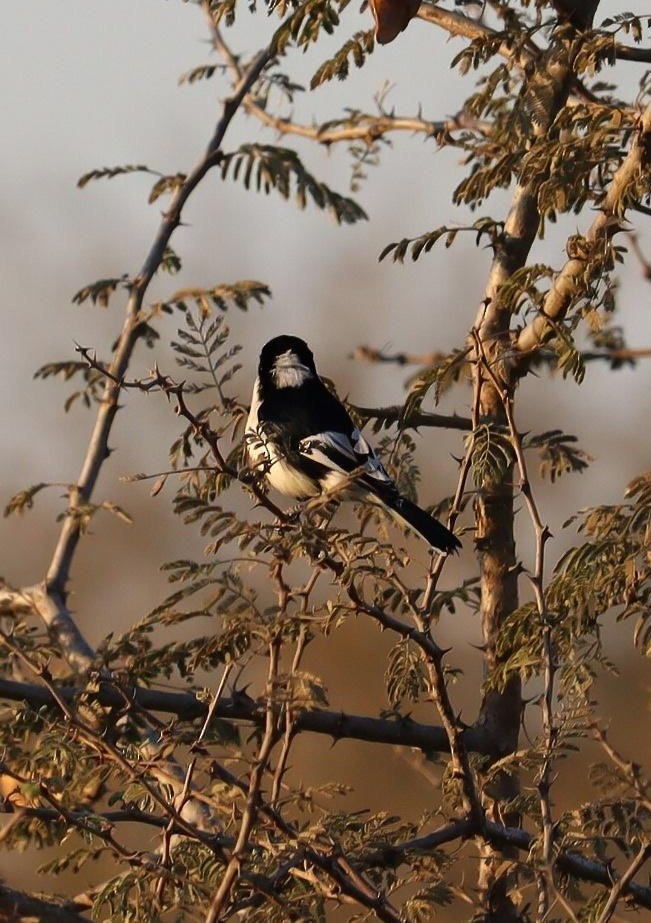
(300, 437)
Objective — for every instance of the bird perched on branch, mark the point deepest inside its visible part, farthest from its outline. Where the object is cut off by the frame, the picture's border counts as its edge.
(301, 438)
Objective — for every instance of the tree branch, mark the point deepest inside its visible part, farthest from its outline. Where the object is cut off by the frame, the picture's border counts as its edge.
(395, 413)
(360, 127)
(241, 708)
(370, 354)
(494, 507)
(55, 613)
(464, 27)
(618, 889)
(250, 811)
(571, 279)
(645, 265)
(626, 53)
(16, 905)
(569, 862)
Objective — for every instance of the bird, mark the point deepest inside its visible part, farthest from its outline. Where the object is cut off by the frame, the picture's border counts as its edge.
(302, 440)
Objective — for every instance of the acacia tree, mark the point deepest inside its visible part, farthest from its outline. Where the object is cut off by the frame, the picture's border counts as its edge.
(92, 748)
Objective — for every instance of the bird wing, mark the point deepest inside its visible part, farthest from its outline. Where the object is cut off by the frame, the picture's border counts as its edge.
(343, 454)
(311, 424)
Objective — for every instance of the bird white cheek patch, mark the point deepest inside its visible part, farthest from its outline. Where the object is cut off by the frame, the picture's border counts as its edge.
(289, 372)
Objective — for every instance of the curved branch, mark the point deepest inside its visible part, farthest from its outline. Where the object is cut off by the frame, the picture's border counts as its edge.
(362, 127)
(56, 614)
(626, 53)
(456, 24)
(608, 222)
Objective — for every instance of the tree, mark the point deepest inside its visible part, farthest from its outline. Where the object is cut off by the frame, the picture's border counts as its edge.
(95, 749)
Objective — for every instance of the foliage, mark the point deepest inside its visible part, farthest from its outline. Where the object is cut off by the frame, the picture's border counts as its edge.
(167, 753)
(357, 47)
(266, 167)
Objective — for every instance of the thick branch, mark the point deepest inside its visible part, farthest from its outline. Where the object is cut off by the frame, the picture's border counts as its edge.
(626, 53)
(494, 509)
(572, 277)
(501, 837)
(184, 705)
(77, 651)
(16, 905)
(396, 412)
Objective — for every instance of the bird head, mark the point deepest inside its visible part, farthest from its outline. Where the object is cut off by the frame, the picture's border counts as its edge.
(286, 362)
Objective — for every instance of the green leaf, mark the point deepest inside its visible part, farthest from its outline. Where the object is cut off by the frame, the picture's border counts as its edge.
(305, 25)
(236, 294)
(266, 167)
(440, 376)
(110, 172)
(405, 676)
(170, 261)
(558, 453)
(202, 72)
(165, 185)
(23, 500)
(357, 47)
(100, 292)
(483, 227)
(492, 453)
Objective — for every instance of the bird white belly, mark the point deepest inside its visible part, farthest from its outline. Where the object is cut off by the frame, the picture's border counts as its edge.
(289, 480)
(273, 466)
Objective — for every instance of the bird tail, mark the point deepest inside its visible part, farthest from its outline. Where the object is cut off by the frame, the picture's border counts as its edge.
(427, 527)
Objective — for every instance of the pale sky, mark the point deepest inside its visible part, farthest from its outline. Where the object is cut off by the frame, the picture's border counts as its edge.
(91, 84)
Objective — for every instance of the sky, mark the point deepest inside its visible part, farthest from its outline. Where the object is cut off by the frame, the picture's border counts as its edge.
(92, 84)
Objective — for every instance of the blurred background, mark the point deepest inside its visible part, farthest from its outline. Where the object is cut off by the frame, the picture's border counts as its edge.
(93, 84)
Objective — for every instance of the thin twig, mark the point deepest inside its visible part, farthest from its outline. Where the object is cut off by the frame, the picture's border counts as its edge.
(619, 888)
(630, 770)
(253, 794)
(215, 701)
(436, 566)
(645, 265)
(290, 715)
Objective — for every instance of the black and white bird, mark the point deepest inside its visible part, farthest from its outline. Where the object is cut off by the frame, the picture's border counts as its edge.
(301, 438)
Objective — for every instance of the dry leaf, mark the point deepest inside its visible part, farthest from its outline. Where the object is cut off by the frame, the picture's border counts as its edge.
(391, 17)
